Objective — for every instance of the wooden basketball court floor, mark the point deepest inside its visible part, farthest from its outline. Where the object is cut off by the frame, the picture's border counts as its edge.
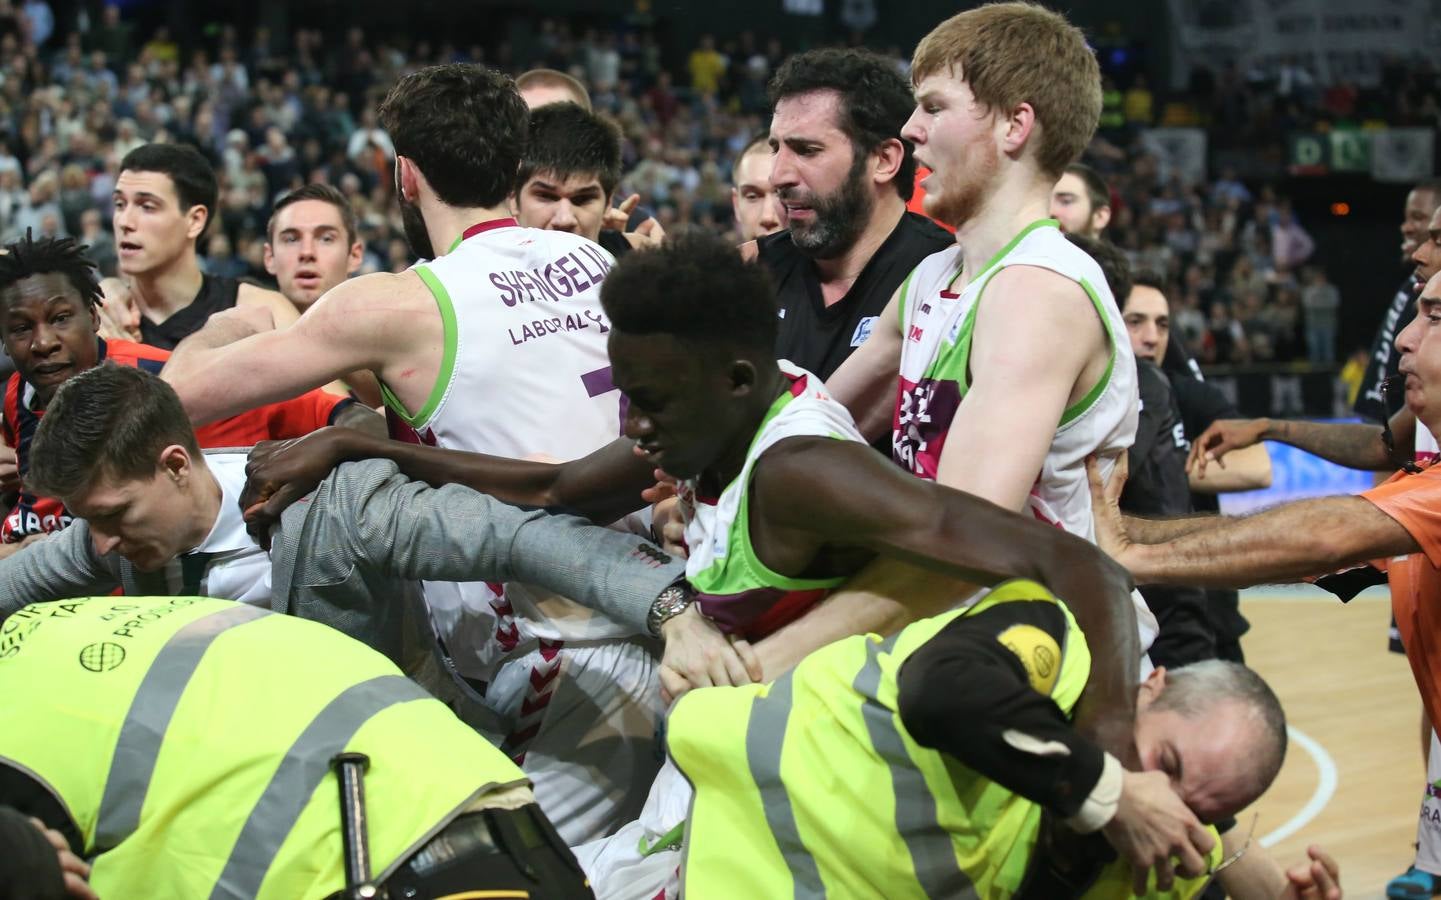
(1353, 776)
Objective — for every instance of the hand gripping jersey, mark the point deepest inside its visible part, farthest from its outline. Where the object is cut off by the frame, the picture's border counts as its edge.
(936, 330)
(733, 586)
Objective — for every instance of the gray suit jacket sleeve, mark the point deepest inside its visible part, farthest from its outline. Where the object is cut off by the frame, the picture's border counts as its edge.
(409, 530)
(61, 566)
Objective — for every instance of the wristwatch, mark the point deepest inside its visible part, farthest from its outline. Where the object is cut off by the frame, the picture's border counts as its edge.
(670, 603)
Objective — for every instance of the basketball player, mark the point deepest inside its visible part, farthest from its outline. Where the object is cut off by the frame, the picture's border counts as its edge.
(312, 243)
(1001, 363)
(165, 197)
(496, 345)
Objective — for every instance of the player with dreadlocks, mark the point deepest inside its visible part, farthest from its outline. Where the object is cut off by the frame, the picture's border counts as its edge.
(49, 315)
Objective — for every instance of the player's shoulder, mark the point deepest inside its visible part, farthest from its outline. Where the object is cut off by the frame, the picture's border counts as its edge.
(935, 270)
(245, 292)
(402, 293)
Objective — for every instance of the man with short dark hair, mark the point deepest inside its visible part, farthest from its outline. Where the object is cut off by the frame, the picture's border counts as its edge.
(155, 515)
(843, 174)
(312, 243)
(568, 174)
(497, 344)
(1081, 201)
(165, 197)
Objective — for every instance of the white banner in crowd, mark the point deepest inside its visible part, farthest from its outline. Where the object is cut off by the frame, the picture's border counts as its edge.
(1402, 154)
(1178, 151)
(1332, 40)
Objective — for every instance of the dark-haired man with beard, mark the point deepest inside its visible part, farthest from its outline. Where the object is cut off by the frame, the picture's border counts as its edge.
(843, 174)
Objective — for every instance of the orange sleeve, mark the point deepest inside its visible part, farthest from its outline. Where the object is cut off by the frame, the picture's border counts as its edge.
(309, 412)
(1414, 500)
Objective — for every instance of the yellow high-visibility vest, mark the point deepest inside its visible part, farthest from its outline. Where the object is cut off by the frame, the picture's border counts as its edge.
(190, 739)
(812, 787)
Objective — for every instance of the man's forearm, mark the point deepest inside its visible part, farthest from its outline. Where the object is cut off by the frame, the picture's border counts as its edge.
(1354, 445)
(1157, 531)
(1285, 544)
(417, 532)
(602, 487)
(359, 417)
(1098, 594)
(61, 566)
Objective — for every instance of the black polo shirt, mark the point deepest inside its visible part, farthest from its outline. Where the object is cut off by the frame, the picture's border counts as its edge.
(819, 337)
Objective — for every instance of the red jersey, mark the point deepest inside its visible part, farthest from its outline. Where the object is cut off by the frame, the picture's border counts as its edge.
(276, 421)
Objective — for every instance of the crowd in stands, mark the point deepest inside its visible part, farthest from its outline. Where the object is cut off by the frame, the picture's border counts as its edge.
(272, 114)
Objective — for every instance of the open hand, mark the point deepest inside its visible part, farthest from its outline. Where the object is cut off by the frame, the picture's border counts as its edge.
(1221, 438)
(1317, 879)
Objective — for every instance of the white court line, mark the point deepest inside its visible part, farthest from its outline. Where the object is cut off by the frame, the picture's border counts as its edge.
(1325, 788)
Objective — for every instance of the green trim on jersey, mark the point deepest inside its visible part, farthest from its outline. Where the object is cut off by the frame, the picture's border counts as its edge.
(957, 367)
(1078, 409)
(1001, 253)
(447, 361)
(901, 312)
(723, 578)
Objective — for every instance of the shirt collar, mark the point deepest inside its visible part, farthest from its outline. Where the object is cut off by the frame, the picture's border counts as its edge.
(228, 533)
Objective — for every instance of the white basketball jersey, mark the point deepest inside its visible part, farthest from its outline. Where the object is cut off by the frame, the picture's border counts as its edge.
(936, 330)
(525, 373)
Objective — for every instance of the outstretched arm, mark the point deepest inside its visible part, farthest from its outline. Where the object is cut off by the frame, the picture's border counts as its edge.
(602, 486)
(368, 323)
(817, 492)
(413, 531)
(1284, 544)
(1354, 445)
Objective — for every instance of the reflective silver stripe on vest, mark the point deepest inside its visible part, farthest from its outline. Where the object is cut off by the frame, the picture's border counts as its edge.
(143, 730)
(765, 735)
(932, 854)
(305, 765)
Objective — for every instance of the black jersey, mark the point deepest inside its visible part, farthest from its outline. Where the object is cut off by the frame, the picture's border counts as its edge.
(215, 294)
(819, 338)
(1371, 402)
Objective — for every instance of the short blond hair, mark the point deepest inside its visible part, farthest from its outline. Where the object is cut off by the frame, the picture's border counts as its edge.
(1013, 53)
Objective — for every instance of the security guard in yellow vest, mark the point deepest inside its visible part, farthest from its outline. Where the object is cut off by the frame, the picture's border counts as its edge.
(184, 746)
(919, 766)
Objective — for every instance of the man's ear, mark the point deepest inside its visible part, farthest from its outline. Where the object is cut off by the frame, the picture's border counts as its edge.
(743, 377)
(889, 157)
(1151, 688)
(175, 462)
(1101, 218)
(195, 219)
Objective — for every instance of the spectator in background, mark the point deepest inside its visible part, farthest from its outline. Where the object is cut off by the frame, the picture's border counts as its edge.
(1291, 246)
(754, 201)
(539, 87)
(1322, 303)
(707, 66)
(99, 243)
(1081, 202)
